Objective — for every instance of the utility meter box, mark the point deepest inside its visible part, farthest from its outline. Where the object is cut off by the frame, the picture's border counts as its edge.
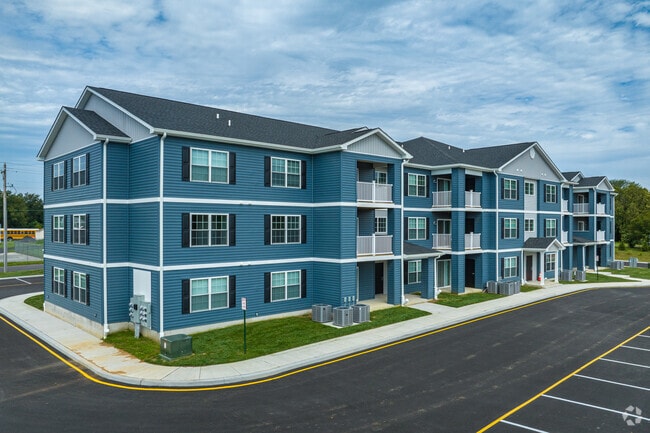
(134, 308)
(175, 346)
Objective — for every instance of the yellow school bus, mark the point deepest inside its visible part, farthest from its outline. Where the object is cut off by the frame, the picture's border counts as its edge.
(20, 234)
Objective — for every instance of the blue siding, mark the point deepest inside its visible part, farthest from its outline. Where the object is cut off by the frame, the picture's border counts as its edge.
(120, 290)
(117, 171)
(118, 239)
(143, 233)
(92, 190)
(144, 168)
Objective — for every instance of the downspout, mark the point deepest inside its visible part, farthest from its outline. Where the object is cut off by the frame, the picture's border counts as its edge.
(160, 235)
(104, 236)
(496, 226)
(401, 222)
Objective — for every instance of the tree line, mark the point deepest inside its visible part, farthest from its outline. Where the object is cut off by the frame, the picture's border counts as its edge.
(23, 211)
(632, 214)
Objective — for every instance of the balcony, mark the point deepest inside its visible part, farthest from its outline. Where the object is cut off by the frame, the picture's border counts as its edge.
(442, 199)
(472, 241)
(442, 241)
(374, 192)
(600, 236)
(472, 199)
(374, 245)
(581, 208)
(600, 208)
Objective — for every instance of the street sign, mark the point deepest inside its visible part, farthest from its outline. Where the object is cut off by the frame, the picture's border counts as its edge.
(243, 304)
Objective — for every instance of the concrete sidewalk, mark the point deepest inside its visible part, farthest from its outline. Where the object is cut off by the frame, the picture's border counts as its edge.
(114, 365)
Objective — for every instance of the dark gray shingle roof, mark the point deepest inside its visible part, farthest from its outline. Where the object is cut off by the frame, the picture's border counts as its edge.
(538, 243)
(410, 249)
(95, 122)
(591, 181)
(165, 114)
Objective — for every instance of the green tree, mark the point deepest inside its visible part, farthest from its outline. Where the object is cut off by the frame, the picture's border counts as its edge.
(23, 210)
(632, 212)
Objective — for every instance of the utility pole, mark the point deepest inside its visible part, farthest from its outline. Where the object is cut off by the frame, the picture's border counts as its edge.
(4, 216)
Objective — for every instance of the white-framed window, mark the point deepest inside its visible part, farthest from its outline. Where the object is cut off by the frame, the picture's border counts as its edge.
(79, 170)
(417, 185)
(208, 294)
(510, 189)
(381, 177)
(208, 166)
(285, 285)
(208, 230)
(414, 271)
(549, 262)
(417, 228)
(510, 267)
(58, 228)
(443, 273)
(80, 229)
(58, 175)
(380, 224)
(581, 226)
(80, 287)
(529, 188)
(510, 228)
(58, 281)
(529, 225)
(550, 228)
(286, 229)
(285, 172)
(550, 193)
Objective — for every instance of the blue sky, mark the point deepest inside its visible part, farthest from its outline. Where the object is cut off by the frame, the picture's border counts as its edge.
(574, 76)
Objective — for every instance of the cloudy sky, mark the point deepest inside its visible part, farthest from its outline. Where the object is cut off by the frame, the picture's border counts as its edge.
(572, 75)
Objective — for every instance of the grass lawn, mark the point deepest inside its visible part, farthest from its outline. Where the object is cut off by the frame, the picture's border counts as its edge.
(20, 273)
(600, 278)
(643, 273)
(529, 288)
(36, 301)
(263, 337)
(643, 256)
(454, 300)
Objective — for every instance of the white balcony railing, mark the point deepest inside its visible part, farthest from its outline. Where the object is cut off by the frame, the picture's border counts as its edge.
(472, 199)
(600, 208)
(581, 208)
(442, 241)
(600, 235)
(442, 198)
(565, 205)
(374, 192)
(472, 241)
(565, 237)
(374, 245)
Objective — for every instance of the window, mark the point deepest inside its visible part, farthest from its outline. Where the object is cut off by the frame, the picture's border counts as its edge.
(209, 166)
(80, 288)
(529, 225)
(510, 228)
(581, 226)
(209, 230)
(80, 170)
(80, 229)
(510, 189)
(58, 281)
(417, 228)
(58, 175)
(58, 228)
(414, 271)
(417, 185)
(285, 229)
(443, 273)
(208, 294)
(381, 177)
(285, 172)
(550, 193)
(285, 285)
(509, 267)
(549, 261)
(380, 224)
(529, 188)
(550, 228)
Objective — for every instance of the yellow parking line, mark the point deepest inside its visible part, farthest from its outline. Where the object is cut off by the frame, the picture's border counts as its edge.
(527, 402)
(283, 375)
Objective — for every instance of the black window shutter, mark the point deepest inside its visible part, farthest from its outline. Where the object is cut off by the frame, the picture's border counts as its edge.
(65, 174)
(232, 229)
(267, 287)
(427, 228)
(303, 174)
(52, 228)
(503, 271)
(66, 220)
(267, 171)
(87, 289)
(71, 283)
(303, 283)
(503, 228)
(267, 229)
(186, 164)
(52, 280)
(65, 283)
(52, 178)
(87, 230)
(406, 228)
(406, 184)
(303, 229)
(185, 236)
(503, 188)
(232, 291)
(87, 168)
(185, 297)
(426, 186)
(232, 169)
(406, 272)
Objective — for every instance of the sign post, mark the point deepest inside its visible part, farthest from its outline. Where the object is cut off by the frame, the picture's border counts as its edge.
(243, 307)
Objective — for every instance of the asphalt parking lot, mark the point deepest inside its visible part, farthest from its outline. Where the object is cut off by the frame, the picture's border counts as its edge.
(611, 393)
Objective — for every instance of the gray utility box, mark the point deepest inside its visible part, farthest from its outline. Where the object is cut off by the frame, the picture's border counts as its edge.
(634, 262)
(342, 316)
(616, 264)
(321, 313)
(492, 287)
(581, 275)
(566, 275)
(509, 287)
(175, 346)
(360, 313)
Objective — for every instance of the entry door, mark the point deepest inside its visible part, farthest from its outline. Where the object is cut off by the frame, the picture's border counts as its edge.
(379, 278)
(470, 272)
(529, 268)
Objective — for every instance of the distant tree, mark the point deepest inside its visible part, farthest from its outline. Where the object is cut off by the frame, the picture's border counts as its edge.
(23, 210)
(632, 212)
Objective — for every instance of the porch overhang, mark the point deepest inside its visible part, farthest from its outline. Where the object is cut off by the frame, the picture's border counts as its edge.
(415, 252)
(543, 245)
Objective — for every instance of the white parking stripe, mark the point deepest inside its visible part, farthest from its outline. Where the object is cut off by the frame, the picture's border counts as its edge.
(626, 363)
(612, 382)
(595, 407)
(523, 426)
(636, 348)
(644, 336)
(23, 281)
